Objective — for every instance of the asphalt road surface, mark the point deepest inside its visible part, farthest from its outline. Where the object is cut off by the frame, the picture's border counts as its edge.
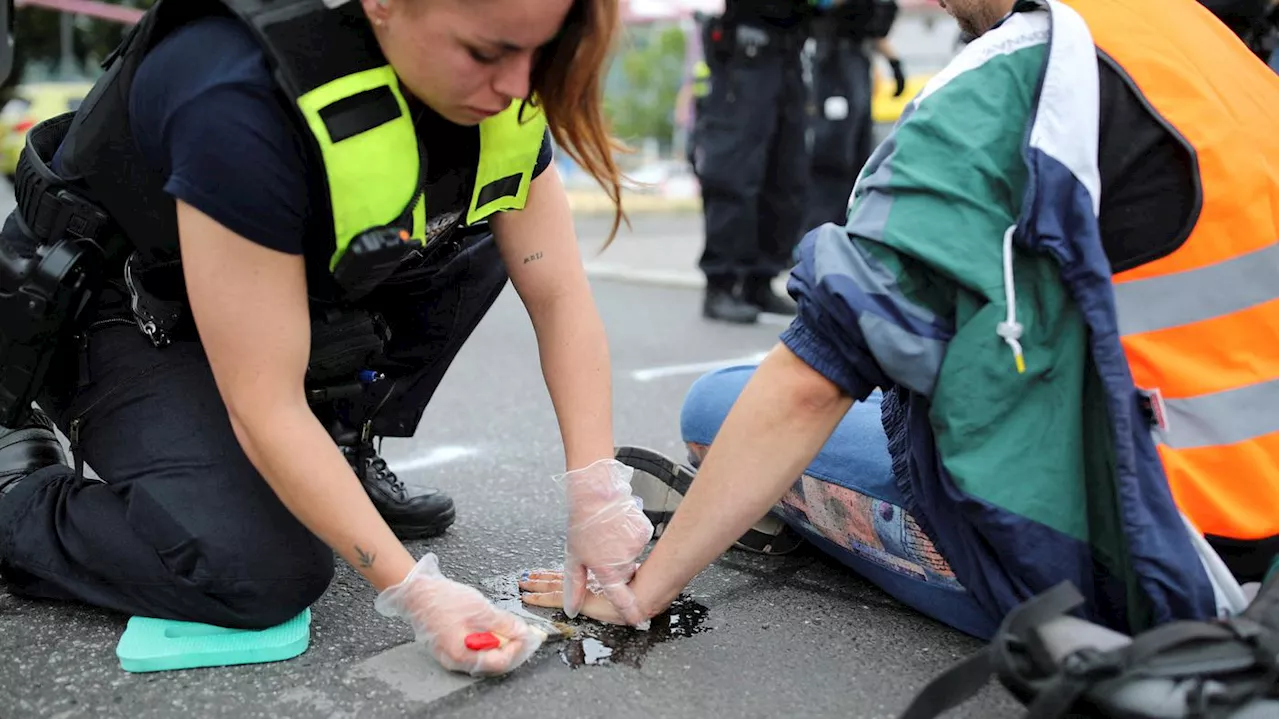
(757, 637)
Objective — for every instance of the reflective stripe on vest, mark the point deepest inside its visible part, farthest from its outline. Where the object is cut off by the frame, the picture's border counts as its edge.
(509, 148)
(370, 151)
(372, 174)
(1201, 326)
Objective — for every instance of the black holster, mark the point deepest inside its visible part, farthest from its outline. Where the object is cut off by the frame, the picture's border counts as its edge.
(51, 267)
(344, 343)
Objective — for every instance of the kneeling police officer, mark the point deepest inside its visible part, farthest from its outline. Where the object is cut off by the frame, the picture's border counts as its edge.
(257, 246)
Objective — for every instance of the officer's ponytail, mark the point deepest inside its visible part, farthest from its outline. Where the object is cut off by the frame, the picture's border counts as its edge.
(568, 80)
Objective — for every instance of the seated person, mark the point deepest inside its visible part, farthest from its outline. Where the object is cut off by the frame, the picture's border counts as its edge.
(1065, 286)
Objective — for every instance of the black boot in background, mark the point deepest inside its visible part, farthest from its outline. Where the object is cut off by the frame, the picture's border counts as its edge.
(723, 303)
(758, 291)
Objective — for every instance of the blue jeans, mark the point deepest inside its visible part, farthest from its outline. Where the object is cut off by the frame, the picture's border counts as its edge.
(848, 504)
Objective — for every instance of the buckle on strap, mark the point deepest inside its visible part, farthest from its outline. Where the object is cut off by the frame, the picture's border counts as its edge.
(61, 213)
(1151, 403)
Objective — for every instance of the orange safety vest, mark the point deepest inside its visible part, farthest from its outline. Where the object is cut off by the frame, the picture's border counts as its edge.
(1201, 326)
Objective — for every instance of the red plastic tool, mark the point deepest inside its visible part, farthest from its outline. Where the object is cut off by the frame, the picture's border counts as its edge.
(484, 641)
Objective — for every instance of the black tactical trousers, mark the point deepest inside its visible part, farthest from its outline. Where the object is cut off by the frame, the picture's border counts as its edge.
(842, 128)
(183, 526)
(751, 159)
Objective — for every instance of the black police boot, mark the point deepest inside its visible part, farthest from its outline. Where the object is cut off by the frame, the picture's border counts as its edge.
(418, 515)
(27, 448)
(723, 303)
(759, 292)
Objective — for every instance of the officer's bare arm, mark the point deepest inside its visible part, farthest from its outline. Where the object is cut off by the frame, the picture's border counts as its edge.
(250, 306)
(540, 248)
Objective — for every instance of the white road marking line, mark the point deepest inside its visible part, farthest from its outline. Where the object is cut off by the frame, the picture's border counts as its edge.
(690, 279)
(411, 671)
(437, 455)
(769, 318)
(652, 373)
(680, 279)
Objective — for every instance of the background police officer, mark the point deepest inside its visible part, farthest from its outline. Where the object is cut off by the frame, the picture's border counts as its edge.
(750, 155)
(1254, 21)
(842, 89)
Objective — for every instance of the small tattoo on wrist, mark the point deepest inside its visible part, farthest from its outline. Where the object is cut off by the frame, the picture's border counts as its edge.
(366, 558)
(533, 257)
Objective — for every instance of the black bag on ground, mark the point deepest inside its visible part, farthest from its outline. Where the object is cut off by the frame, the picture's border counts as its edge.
(1059, 665)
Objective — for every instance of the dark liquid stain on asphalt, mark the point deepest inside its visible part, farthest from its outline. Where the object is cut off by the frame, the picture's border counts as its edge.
(604, 644)
(596, 644)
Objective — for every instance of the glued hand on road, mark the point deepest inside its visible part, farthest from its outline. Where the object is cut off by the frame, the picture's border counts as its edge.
(545, 588)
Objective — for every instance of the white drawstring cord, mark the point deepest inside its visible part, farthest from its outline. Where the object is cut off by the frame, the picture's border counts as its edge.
(1010, 330)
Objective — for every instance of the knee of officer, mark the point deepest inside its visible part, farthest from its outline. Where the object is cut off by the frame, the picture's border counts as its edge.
(708, 402)
(256, 584)
(271, 603)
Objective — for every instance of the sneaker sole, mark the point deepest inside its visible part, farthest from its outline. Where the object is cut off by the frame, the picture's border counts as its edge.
(768, 536)
(674, 476)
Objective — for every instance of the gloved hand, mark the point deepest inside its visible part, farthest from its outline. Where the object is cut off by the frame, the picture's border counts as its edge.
(899, 76)
(606, 533)
(443, 612)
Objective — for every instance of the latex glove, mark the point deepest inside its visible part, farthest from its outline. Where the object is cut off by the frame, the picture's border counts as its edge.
(443, 612)
(899, 76)
(605, 534)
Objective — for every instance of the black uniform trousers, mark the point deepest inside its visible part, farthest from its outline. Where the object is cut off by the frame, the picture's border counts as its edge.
(841, 144)
(751, 159)
(183, 526)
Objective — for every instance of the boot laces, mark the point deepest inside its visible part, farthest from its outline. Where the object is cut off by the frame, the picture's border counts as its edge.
(368, 457)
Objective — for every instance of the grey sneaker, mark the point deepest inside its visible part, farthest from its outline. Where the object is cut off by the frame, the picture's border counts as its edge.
(660, 482)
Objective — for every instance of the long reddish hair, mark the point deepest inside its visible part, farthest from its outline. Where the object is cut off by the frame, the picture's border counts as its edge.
(568, 82)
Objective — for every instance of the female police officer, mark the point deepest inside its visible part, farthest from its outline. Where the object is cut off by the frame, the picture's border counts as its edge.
(295, 185)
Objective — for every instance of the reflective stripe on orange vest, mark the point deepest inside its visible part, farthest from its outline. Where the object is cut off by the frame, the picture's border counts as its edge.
(1201, 325)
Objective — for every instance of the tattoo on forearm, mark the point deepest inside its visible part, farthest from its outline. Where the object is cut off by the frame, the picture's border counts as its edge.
(366, 558)
(531, 258)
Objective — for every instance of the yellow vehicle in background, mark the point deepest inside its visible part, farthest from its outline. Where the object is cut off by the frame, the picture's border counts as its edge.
(33, 103)
(885, 108)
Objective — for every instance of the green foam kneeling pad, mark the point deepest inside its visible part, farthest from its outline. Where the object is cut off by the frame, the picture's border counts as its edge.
(153, 645)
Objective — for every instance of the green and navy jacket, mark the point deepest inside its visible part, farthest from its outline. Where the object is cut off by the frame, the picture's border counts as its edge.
(958, 284)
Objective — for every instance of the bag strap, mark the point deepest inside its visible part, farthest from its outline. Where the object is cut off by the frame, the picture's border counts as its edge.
(1008, 652)
(953, 687)
(1234, 664)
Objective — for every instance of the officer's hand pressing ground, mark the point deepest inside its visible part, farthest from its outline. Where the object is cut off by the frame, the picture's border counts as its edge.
(605, 533)
(443, 613)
